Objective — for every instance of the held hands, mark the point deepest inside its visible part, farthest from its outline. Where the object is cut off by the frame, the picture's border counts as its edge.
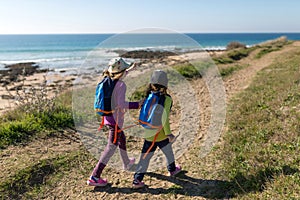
(141, 102)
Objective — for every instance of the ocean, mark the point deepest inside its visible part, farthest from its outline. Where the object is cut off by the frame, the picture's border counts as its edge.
(73, 51)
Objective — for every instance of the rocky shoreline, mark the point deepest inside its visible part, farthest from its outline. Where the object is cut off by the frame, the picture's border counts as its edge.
(12, 72)
(21, 78)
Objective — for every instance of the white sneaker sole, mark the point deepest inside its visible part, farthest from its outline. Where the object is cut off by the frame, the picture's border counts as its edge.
(137, 186)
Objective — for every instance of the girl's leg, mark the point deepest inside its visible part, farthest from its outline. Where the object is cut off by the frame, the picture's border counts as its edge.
(166, 148)
(143, 164)
(106, 154)
(122, 148)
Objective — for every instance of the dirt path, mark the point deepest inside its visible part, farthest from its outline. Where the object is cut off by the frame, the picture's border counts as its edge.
(242, 78)
(194, 184)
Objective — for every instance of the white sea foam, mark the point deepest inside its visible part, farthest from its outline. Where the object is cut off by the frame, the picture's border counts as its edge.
(97, 57)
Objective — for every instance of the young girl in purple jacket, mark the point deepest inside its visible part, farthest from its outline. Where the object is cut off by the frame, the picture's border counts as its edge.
(117, 70)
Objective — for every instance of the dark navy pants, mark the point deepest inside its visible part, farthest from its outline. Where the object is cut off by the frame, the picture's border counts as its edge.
(143, 164)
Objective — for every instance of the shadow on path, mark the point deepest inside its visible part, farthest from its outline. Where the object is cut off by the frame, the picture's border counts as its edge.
(185, 185)
(211, 189)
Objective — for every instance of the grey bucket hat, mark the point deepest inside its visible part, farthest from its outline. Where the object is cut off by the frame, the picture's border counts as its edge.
(159, 77)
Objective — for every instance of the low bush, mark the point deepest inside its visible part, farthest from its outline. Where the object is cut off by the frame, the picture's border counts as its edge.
(36, 112)
(238, 54)
(235, 45)
(229, 70)
(187, 70)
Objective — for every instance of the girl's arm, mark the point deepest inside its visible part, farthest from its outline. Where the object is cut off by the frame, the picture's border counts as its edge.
(119, 92)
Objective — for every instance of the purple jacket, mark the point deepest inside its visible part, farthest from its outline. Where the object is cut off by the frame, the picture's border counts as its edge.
(119, 97)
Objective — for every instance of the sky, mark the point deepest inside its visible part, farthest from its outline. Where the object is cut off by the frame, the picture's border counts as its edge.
(120, 16)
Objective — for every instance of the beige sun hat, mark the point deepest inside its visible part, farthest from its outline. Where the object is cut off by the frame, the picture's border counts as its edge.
(117, 65)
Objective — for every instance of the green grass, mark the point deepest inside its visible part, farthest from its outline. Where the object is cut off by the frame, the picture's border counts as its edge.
(230, 70)
(268, 48)
(233, 55)
(262, 143)
(187, 70)
(223, 60)
(18, 126)
(237, 54)
(138, 94)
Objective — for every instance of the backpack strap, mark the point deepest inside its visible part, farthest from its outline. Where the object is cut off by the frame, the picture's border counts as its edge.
(101, 124)
(116, 127)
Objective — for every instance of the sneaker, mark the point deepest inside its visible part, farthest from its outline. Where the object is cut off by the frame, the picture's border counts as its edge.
(176, 171)
(130, 164)
(138, 184)
(93, 181)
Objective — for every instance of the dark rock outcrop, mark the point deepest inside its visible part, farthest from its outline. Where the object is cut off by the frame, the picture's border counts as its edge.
(145, 54)
(13, 71)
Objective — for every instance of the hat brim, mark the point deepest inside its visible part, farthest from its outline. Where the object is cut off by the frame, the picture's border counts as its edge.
(130, 67)
(116, 71)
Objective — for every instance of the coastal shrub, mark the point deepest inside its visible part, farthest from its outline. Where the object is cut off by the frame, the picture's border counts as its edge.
(17, 131)
(234, 55)
(229, 70)
(235, 45)
(32, 117)
(238, 54)
(264, 51)
(187, 70)
(273, 45)
(267, 49)
(223, 60)
(138, 94)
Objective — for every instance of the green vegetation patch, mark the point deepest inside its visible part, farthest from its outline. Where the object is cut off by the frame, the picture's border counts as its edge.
(238, 54)
(187, 70)
(138, 94)
(269, 47)
(234, 55)
(19, 125)
(192, 70)
(230, 70)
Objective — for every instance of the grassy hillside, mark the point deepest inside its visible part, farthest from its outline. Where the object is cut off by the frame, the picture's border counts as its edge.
(263, 139)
